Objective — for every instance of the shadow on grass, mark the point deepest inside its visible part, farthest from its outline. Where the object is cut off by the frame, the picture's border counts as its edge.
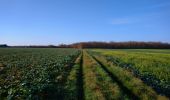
(115, 79)
(80, 92)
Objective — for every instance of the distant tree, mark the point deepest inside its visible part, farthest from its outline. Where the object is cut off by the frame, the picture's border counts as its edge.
(121, 45)
(106, 45)
(3, 45)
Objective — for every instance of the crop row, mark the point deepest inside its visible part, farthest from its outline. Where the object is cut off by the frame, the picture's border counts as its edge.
(34, 73)
(152, 67)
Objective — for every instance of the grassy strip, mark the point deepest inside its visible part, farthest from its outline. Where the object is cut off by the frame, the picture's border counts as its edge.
(92, 90)
(151, 66)
(135, 85)
(72, 81)
(108, 87)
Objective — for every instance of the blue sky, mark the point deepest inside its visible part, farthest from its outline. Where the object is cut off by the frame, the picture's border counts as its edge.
(43, 22)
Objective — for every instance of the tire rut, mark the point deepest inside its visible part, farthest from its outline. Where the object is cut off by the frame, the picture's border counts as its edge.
(115, 79)
(80, 80)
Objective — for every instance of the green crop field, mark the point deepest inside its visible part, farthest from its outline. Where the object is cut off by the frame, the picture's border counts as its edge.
(84, 74)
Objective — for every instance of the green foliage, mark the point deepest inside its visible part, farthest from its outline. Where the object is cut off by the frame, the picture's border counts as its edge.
(34, 73)
(129, 83)
(152, 66)
(73, 82)
(98, 84)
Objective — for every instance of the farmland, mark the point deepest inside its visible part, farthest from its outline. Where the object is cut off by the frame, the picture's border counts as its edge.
(34, 73)
(86, 74)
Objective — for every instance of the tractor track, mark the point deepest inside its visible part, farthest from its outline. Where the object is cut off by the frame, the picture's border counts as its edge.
(115, 79)
(80, 80)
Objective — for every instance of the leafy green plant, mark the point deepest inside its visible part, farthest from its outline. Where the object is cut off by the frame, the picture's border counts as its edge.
(35, 73)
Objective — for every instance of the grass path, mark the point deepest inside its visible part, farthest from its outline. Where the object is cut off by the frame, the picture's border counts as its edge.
(74, 85)
(98, 85)
(130, 84)
(93, 78)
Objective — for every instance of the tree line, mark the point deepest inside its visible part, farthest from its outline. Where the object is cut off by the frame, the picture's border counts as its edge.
(104, 45)
(3, 45)
(120, 45)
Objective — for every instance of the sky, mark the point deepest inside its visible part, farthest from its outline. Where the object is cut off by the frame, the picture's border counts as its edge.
(52, 22)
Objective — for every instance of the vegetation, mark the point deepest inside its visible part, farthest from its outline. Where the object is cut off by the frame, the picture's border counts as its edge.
(152, 66)
(34, 73)
(73, 84)
(3, 45)
(132, 85)
(93, 74)
(106, 45)
(98, 85)
(120, 45)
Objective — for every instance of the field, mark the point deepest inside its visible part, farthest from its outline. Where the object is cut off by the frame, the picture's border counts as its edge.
(84, 74)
